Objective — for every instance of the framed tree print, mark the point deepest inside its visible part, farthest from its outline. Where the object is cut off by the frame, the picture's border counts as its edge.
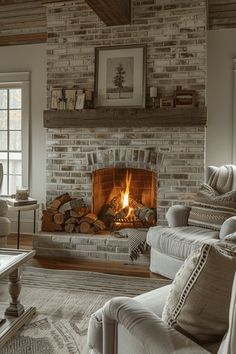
(120, 79)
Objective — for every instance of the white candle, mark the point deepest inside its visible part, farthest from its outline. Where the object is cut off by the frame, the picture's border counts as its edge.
(153, 92)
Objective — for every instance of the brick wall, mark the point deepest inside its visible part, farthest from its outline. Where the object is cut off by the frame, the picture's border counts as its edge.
(175, 35)
(180, 162)
(174, 32)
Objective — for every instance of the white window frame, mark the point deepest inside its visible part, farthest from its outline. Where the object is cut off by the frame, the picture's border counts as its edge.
(22, 80)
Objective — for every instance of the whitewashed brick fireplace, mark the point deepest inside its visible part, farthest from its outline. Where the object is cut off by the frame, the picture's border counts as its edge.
(176, 154)
(175, 35)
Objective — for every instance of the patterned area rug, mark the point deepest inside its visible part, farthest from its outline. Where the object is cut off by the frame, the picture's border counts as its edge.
(64, 301)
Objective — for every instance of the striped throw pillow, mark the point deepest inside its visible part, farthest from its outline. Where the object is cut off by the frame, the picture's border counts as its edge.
(209, 217)
(210, 209)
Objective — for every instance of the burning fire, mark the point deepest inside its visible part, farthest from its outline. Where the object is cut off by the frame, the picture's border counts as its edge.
(125, 194)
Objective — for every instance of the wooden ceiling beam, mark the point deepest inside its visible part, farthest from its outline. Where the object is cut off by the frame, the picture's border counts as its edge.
(28, 38)
(112, 12)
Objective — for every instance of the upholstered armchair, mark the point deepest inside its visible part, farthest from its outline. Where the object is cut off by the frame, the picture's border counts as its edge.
(5, 224)
(136, 326)
(210, 218)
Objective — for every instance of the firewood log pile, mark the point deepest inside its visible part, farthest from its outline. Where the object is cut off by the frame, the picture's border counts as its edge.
(69, 214)
(113, 213)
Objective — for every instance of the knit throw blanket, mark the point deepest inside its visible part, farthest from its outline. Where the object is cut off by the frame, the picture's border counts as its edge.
(222, 179)
(136, 239)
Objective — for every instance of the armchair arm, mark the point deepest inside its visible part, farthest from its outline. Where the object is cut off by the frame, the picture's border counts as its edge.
(177, 215)
(228, 227)
(146, 327)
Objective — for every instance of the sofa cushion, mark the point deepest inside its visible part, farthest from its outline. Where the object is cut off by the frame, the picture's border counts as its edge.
(179, 242)
(199, 299)
(210, 209)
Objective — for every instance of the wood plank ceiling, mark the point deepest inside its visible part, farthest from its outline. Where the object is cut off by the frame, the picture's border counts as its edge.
(24, 21)
(221, 14)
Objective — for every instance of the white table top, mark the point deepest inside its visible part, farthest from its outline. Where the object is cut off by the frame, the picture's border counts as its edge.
(23, 207)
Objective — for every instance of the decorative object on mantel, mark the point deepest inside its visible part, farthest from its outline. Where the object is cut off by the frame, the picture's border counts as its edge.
(80, 100)
(63, 99)
(120, 79)
(167, 102)
(70, 97)
(185, 98)
(56, 96)
(153, 95)
(89, 98)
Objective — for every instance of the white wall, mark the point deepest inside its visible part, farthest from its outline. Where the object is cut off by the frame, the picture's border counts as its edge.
(32, 58)
(221, 50)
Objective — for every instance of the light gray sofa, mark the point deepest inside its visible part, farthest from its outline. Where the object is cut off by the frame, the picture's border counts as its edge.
(134, 326)
(171, 245)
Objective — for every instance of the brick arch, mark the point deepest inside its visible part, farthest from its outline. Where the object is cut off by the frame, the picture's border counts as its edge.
(147, 159)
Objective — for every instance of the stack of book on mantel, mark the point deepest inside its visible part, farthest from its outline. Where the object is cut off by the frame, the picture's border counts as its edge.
(17, 202)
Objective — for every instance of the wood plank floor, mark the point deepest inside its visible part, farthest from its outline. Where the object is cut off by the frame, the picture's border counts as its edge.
(85, 265)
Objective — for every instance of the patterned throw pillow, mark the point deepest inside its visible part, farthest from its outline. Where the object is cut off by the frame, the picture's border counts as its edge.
(210, 209)
(199, 299)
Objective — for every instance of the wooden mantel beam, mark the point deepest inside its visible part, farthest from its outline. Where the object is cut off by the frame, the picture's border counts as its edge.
(93, 118)
(112, 12)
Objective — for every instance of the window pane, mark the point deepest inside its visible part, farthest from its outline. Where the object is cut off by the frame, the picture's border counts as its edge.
(15, 140)
(14, 181)
(3, 99)
(3, 120)
(15, 163)
(3, 140)
(15, 98)
(4, 185)
(15, 119)
(3, 160)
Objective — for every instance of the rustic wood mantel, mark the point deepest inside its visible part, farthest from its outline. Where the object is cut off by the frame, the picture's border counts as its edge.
(92, 118)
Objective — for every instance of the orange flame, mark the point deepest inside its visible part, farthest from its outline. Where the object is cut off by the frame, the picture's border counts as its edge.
(125, 194)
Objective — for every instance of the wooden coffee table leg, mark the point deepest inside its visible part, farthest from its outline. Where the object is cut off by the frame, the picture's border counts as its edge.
(15, 308)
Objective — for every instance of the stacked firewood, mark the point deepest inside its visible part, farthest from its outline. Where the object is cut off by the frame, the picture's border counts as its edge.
(69, 214)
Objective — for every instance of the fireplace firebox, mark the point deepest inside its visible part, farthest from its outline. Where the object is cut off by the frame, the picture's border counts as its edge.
(124, 197)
